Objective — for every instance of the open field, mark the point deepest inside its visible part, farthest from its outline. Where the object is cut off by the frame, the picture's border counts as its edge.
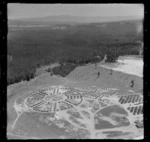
(128, 64)
(79, 106)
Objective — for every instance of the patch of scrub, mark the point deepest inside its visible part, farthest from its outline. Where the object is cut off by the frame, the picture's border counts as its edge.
(111, 117)
(57, 126)
(120, 119)
(74, 113)
(86, 114)
(112, 134)
(103, 124)
(77, 122)
(114, 108)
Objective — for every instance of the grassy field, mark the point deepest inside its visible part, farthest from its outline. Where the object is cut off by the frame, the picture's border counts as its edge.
(33, 47)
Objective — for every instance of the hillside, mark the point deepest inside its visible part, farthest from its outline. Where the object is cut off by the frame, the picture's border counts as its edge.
(27, 123)
(32, 46)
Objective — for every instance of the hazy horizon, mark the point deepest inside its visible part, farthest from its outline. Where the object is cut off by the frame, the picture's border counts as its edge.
(77, 17)
(21, 11)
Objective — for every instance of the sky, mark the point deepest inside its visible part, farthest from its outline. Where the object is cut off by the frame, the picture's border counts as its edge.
(17, 11)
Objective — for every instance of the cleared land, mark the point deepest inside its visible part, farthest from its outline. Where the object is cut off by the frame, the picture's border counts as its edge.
(128, 64)
(106, 115)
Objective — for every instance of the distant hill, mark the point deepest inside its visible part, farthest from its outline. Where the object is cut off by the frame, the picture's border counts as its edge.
(71, 19)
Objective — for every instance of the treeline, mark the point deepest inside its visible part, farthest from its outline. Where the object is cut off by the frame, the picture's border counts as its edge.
(25, 68)
(31, 49)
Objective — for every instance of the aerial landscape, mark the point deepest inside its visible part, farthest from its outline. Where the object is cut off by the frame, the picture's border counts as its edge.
(74, 75)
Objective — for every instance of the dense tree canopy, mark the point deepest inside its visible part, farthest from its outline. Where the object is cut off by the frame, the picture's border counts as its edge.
(32, 48)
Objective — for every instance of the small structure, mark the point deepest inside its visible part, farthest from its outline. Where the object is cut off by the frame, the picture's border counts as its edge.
(104, 60)
(98, 74)
(97, 57)
(132, 84)
(51, 73)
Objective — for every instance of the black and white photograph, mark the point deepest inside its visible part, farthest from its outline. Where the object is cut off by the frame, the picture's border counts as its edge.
(75, 71)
